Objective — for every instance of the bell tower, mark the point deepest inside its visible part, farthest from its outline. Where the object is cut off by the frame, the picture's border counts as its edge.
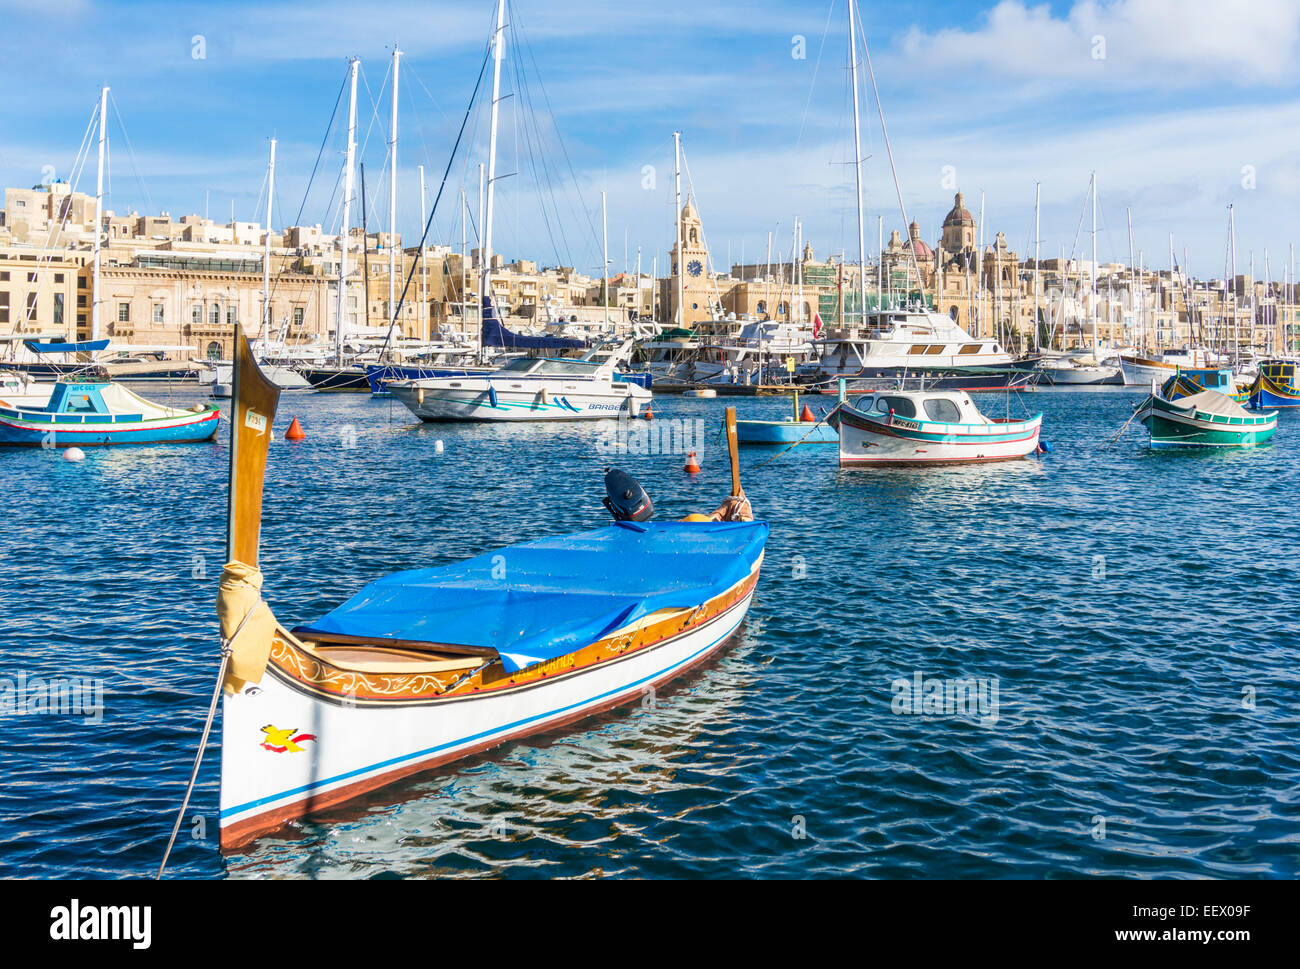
(694, 262)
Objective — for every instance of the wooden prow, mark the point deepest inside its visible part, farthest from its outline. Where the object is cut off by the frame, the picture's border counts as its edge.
(733, 451)
(252, 419)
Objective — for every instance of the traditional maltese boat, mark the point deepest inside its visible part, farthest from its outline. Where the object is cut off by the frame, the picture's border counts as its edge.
(428, 666)
(1188, 381)
(1204, 420)
(925, 428)
(1277, 385)
(101, 412)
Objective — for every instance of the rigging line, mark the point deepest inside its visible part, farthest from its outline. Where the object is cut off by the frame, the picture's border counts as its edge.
(321, 151)
(139, 177)
(884, 131)
(816, 68)
(374, 105)
(564, 148)
(428, 224)
(1065, 274)
(532, 136)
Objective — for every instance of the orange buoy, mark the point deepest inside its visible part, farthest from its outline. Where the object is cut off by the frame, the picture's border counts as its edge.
(692, 466)
(807, 415)
(649, 412)
(295, 431)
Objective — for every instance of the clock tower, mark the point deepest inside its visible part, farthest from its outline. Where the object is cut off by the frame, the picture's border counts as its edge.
(693, 262)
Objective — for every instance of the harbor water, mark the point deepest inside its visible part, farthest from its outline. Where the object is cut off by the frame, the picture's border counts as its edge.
(1125, 620)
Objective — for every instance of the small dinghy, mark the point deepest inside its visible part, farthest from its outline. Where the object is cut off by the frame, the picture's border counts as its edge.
(428, 666)
(85, 413)
(925, 428)
(803, 428)
(1205, 420)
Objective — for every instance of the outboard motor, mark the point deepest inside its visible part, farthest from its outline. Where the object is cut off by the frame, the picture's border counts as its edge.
(625, 498)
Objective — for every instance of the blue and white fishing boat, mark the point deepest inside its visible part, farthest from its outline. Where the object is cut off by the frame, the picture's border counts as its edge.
(92, 413)
(909, 429)
(426, 667)
(804, 428)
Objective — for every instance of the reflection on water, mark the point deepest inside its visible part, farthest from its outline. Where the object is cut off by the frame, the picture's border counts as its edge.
(1135, 608)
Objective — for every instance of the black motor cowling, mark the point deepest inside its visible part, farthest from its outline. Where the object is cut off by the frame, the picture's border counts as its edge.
(625, 498)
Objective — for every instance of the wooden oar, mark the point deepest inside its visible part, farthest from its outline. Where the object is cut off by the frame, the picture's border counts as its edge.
(733, 449)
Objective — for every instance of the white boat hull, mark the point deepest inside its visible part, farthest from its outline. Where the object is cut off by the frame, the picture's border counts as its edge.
(358, 747)
(563, 402)
(878, 443)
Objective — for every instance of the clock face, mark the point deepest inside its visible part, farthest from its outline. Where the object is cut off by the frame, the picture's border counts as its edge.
(694, 268)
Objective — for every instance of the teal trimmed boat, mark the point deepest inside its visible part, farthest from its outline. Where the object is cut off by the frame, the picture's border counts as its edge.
(1205, 420)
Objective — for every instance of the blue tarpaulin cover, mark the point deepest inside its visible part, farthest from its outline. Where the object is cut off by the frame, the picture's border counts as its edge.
(85, 346)
(542, 599)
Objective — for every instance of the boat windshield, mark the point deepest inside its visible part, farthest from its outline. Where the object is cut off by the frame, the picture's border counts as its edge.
(942, 410)
(901, 406)
(568, 368)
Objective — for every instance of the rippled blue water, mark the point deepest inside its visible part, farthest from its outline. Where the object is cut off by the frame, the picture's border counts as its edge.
(1136, 609)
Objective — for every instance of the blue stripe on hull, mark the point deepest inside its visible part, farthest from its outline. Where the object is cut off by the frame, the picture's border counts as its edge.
(185, 433)
(1264, 399)
(785, 432)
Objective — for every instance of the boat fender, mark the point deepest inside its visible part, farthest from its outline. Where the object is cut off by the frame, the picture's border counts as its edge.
(1044, 447)
(74, 454)
(492, 395)
(697, 517)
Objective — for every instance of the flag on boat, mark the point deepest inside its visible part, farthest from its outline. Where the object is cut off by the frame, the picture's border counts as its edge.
(817, 325)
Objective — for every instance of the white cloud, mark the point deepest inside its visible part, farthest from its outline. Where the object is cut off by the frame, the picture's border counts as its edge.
(1166, 43)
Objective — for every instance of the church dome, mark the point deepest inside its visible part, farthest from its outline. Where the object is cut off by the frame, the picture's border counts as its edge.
(959, 215)
(916, 243)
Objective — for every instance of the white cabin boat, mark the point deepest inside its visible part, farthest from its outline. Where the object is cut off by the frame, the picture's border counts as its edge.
(526, 389)
(945, 427)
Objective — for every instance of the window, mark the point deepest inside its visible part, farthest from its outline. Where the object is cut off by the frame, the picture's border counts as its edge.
(232, 316)
(81, 300)
(4, 276)
(58, 309)
(58, 277)
(124, 312)
(214, 315)
(969, 348)
(4, 306)
(31, 306)
(196, 313)
(81, 280)
(214, 351)
(901, 406)
(297, 316)
(32, 278)
(158, 316)
(945, 411)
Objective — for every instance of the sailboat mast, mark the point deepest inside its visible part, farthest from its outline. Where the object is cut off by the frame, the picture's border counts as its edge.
(426, 330)
(857, 158)
(464, 255)
(604, 269)
(392, 203)
(679, 270)
(485, 278)
(1093, 273)
(347, 212)
(1038, 269)
(266, 251)
(1132, 270)
(99, 213)
(1232, 255)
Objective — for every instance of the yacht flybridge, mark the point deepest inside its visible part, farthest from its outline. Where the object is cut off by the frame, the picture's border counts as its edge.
(914, 342)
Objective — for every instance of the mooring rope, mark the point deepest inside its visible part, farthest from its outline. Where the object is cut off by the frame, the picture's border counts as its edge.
(226, 651)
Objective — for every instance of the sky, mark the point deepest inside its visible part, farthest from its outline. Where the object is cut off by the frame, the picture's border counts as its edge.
(1182, 107)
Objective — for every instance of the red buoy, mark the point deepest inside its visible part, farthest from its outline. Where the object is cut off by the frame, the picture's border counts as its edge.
(692, 466)
(807, 415)
(649, 412)
(295, 431)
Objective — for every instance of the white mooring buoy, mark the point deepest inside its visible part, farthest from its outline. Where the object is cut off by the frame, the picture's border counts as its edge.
(437, 447)
(74, 454)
